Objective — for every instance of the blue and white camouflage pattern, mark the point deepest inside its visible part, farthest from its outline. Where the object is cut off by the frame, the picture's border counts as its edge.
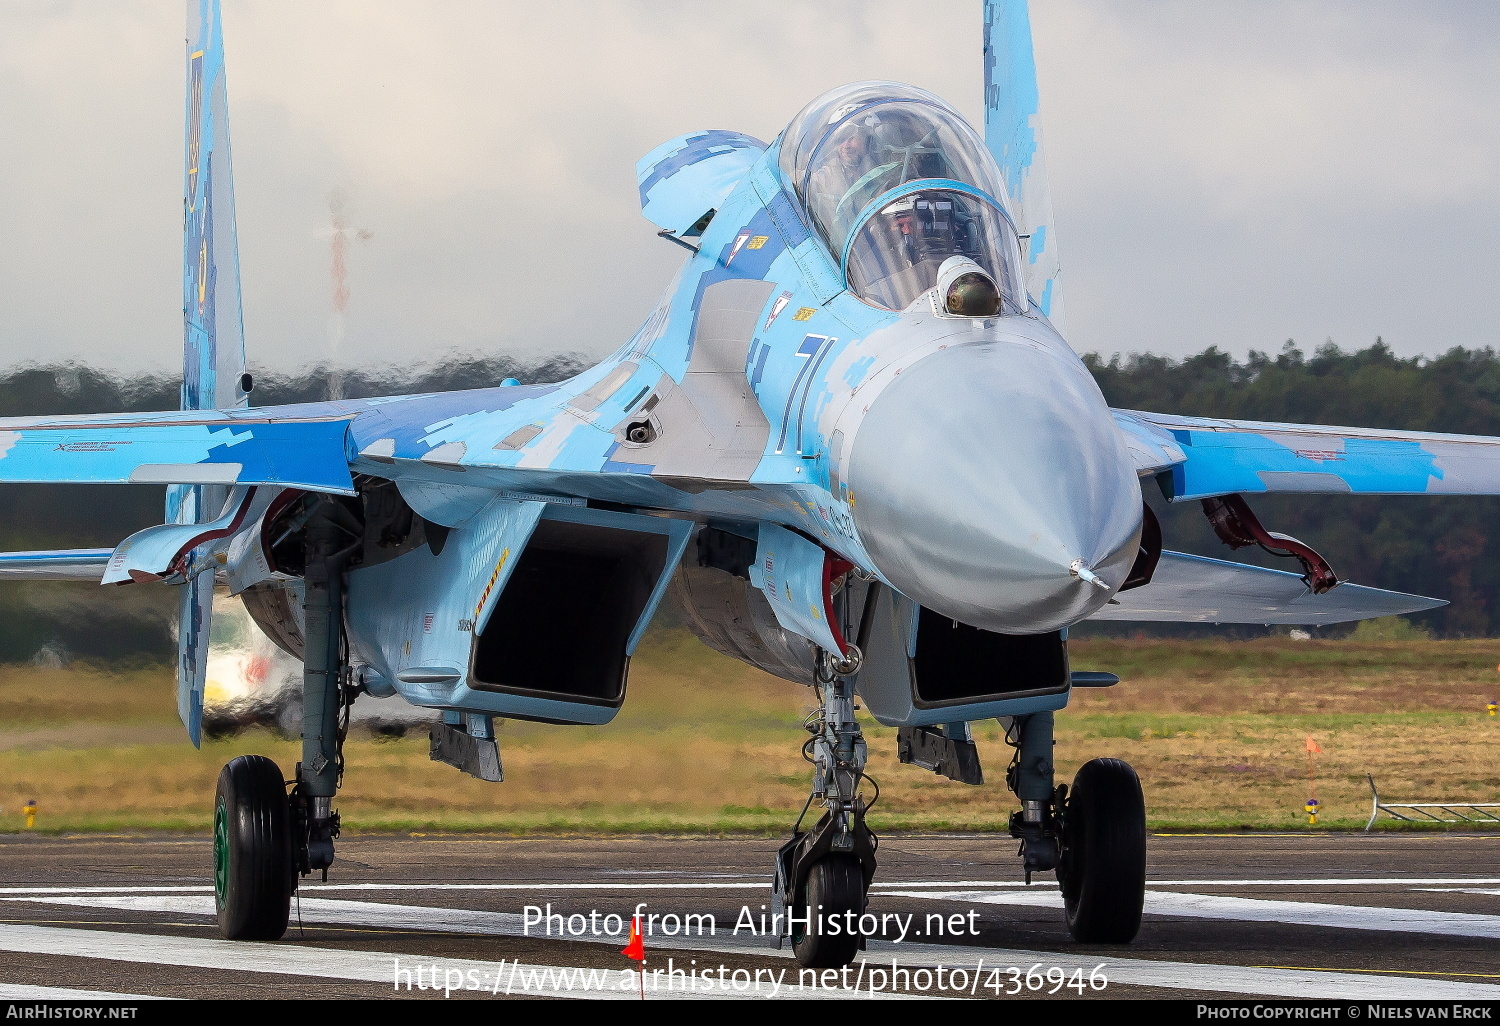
(213, 329)
(684, 179)
(1199, 457)
(191, 448)
(1013, 131)
(967, 462)
(214, 350)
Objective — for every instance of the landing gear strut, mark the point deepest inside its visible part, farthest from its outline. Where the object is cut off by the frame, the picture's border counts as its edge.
(327, 551)
(823, 875)
(263, 837)
(1093, 835)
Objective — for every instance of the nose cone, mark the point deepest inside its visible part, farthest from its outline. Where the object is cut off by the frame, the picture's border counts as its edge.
(983, 473)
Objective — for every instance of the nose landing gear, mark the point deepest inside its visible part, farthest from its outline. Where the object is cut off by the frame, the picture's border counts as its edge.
(823, 875)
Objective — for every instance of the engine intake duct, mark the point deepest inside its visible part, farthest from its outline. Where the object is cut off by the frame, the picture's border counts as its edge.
(923, 669)
(955, 661)
(563, 623)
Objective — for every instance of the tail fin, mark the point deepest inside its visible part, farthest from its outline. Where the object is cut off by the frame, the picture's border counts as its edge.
(213, 358)
(213, 362)
(1013, 132)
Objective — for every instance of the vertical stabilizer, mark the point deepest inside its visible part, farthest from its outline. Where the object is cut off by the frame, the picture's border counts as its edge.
(1012, 129)
(214, 343)
(213, 356)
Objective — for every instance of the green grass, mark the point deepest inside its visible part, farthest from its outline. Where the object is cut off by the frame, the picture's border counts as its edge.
(705, 745)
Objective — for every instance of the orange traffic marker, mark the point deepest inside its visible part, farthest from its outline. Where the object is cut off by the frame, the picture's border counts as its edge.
(636, 948)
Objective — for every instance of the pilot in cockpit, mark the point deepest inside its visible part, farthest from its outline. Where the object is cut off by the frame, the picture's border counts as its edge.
(852, 157)
(849, 163)
(872, 155)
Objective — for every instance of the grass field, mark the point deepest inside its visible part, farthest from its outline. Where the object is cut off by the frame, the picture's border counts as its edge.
(1216, 730)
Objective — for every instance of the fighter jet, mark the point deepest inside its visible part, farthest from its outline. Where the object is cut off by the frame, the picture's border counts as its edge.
(850, 443)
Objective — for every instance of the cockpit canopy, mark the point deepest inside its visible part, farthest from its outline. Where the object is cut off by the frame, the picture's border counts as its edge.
(895, 182)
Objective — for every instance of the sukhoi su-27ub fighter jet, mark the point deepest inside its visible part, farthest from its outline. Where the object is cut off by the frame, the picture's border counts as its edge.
(850, 443)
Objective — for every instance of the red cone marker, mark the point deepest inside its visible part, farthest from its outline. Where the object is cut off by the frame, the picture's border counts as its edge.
(636, 948)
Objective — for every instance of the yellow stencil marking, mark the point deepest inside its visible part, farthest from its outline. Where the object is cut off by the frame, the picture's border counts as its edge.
(804, 314)
(757, 242)
(504, 556)
(203, 277)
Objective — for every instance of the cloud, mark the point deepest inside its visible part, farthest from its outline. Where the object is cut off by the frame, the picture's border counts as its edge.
(1222, 174)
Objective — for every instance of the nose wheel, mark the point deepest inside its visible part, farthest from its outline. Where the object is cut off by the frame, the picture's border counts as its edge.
(823, 875)
(834, 898)
(1102, 868)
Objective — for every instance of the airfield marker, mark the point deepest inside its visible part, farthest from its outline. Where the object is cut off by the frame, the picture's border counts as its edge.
(1311, 808)
(635, 950)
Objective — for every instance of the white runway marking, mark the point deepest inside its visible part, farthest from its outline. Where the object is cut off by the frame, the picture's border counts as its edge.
(1260, 910)
(1133, 971)
(1200, 976)
(106, 890)
(698, 884)
(500, 977)
(318, 910)
(1464, 890)
(22, 992)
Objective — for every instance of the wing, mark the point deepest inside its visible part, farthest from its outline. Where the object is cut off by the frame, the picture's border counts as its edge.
(54, 565)
(187, 447)
(1194, 589)
(1198, 457)
(1013, 132)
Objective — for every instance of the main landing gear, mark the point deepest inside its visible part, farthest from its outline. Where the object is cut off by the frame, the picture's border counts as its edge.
(253, 870)
(823, 875)
(1094, 836)
(264, 838)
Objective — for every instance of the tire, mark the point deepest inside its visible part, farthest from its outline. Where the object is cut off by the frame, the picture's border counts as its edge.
(252, 850)
(1103, 865)
(837, 884)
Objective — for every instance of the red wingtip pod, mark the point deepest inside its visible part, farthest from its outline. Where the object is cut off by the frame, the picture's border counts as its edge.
(636, 948)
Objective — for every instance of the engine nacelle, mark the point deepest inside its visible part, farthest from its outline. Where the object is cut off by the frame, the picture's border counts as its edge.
(919, 668)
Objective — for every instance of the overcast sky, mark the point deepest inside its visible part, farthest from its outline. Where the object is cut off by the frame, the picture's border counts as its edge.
(1223, 174)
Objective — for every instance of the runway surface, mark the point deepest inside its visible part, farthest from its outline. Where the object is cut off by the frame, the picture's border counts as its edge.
(1342, 916)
